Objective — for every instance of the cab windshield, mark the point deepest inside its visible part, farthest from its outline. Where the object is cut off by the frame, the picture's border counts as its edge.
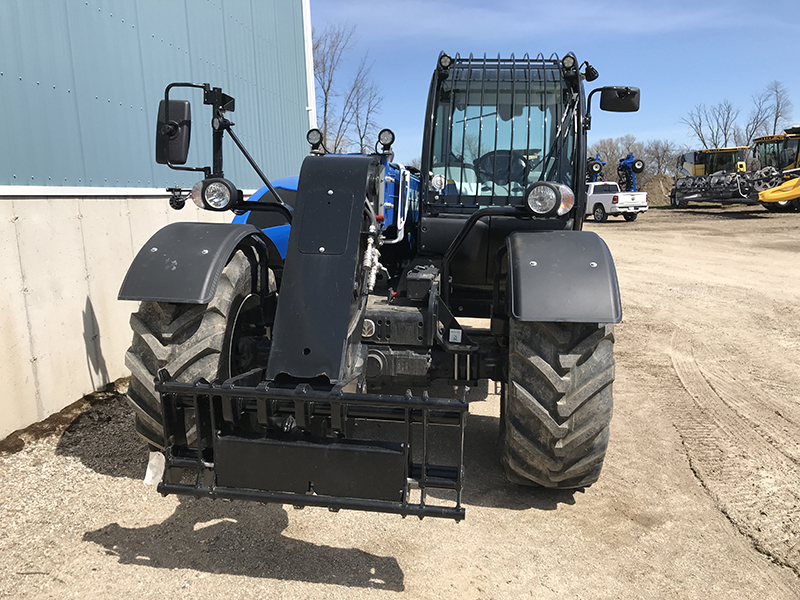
(781, 154)
(500, 128)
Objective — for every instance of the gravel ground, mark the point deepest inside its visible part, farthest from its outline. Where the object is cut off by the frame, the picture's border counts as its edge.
(699, 497)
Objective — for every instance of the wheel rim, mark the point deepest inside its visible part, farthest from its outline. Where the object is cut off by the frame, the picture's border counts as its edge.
(598, 214)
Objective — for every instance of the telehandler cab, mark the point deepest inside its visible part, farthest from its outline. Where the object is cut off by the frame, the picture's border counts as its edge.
(266, 358)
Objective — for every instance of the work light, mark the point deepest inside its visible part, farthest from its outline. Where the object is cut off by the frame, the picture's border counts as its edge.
(215, 194)
(386, 138)
(546, 198)
(314, 137)
(438, 182)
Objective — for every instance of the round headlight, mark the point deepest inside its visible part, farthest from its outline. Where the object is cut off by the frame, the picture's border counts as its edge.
(541, 199)
(547, 198)
(568, 61)
(314, 137)
(445, 61)
(438, 182)
(217, 195)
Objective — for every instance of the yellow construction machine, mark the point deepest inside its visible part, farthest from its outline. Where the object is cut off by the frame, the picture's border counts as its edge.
(781, 152)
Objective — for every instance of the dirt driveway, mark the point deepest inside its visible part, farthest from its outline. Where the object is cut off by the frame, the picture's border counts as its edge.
(699, 498)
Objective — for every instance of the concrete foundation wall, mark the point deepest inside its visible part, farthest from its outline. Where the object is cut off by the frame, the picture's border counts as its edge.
(65, 252)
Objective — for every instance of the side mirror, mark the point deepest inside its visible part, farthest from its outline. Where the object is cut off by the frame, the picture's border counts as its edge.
(173, 136)
(619, 99)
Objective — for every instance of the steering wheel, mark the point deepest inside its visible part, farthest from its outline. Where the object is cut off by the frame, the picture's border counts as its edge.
(503, 167)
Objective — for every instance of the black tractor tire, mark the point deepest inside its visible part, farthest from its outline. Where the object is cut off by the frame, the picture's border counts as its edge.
(189, 340)
(680, 202)
(638, 166)
(630, 216)
(781, 207)
(599, 213)
(557, 405)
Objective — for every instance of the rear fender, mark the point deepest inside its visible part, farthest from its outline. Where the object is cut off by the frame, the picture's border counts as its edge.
(562, 276)
(182, 262)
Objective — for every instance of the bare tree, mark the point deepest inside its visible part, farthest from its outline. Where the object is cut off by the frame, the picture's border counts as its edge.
(628, 144)
(757, 122)
(660, 157)
(348, 111)
(715, 126)
(780, 106)
(328, 48)
(366, 104)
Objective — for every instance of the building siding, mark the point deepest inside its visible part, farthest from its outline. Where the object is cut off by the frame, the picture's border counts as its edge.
(80, 82)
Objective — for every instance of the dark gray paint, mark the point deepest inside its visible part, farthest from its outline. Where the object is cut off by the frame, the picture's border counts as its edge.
(562, 276)
(182, 262)
(319, 297)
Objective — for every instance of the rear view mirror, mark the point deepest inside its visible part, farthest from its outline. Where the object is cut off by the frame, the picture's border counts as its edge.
(619, 99)
(173, 136)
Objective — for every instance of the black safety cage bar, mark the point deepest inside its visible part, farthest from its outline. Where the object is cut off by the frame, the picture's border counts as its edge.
(549, 75)
(216, 407)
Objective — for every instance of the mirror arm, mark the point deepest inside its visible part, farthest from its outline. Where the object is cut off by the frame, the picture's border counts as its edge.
(587, 120)
(226, 125)
(205, 170)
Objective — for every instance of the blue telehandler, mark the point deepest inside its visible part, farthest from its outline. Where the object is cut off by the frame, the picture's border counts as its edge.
(287, 356)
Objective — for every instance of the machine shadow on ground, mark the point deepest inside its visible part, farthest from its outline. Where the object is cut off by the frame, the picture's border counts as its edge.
(243, 539)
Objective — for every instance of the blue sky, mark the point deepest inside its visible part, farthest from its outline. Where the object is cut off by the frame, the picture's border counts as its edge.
(679, 53)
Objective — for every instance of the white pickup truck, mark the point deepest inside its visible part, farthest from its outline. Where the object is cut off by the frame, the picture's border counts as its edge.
(604, 199)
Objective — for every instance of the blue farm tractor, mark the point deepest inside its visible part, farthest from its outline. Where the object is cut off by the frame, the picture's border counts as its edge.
(290, 356)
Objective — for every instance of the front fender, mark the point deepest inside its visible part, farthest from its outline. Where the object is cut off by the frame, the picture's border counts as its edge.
(562, 276)
(182, 262)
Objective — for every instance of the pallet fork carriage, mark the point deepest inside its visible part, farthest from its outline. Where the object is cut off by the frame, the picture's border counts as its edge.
(287, 357)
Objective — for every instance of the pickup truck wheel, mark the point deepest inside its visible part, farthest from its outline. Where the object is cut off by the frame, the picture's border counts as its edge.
(599, 213)
(193, 341)
(630, 216)
(557, 404)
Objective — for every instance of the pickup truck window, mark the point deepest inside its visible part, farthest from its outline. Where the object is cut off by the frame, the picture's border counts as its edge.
(607, 188)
